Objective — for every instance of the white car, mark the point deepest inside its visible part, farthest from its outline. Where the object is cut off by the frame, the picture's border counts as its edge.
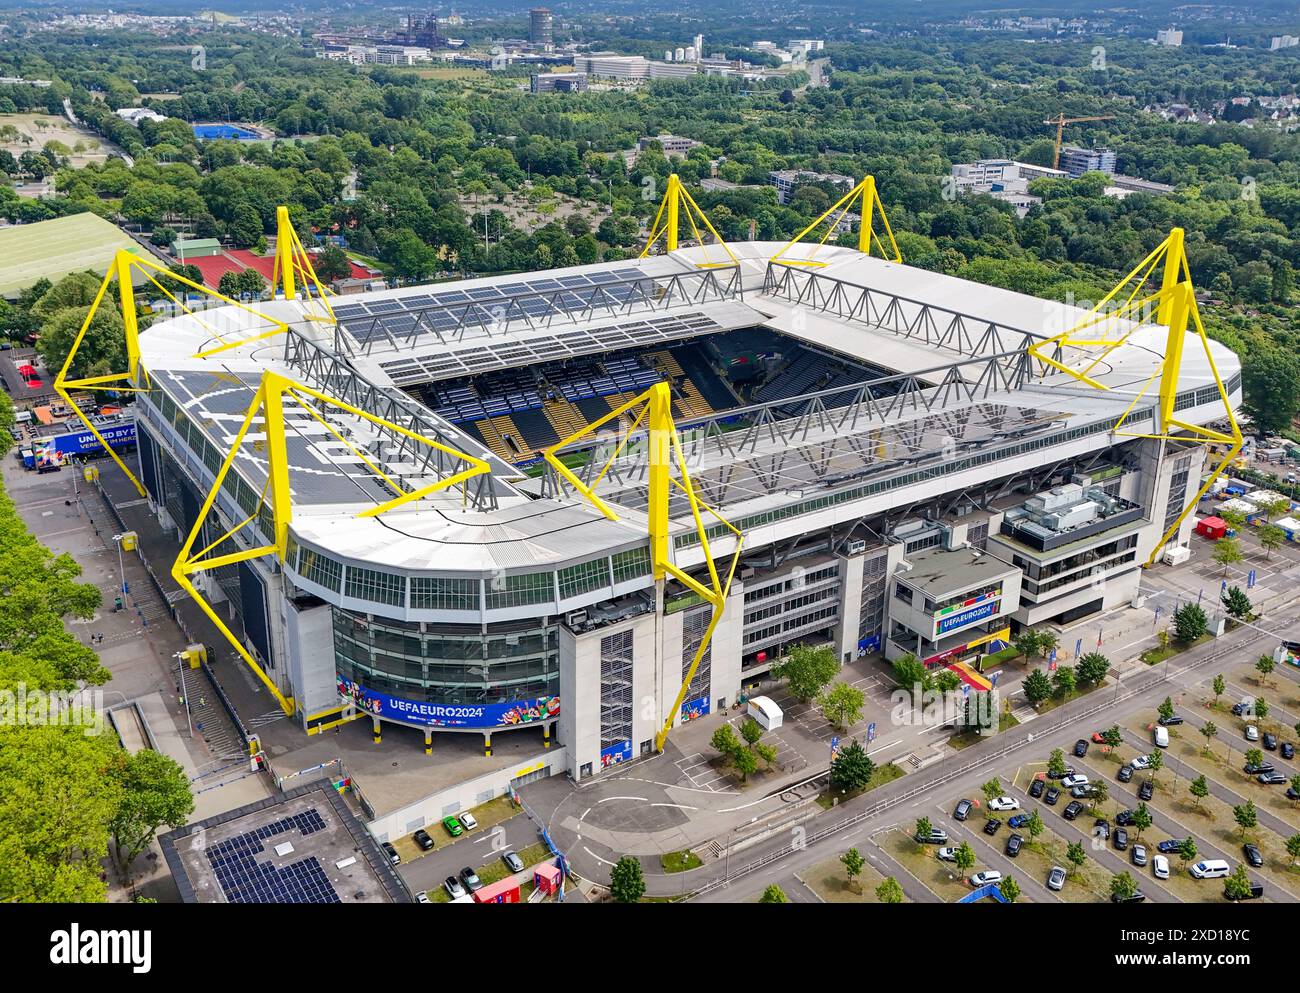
(467, 822)
(948, 854)
(1004, 803)
(1141, 762)
(1078, 779)
(1252, 732)
(986, 877)
(422, 897)
(1160, 867)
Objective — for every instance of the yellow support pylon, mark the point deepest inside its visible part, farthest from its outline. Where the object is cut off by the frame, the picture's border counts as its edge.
(269, 402)
(1176, 308)
(293, 273)
(664, 451)
(668, 219)
(867, 198)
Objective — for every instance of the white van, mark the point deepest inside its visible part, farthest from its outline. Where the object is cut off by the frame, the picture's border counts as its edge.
(1210, 869)
(1162, 737)
(985, 878)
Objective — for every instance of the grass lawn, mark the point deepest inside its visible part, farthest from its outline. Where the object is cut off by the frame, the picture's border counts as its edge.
(967, 738)
(52, 249)
(882, 774)
(828, 880)
(941, 878)
(680, 861)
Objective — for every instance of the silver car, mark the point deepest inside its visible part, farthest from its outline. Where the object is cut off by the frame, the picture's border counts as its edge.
(1056, 878)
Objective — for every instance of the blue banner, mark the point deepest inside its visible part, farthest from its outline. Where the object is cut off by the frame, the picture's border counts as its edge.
(614, 754)
(946, 624)
(692, 709)
(450, 715)
(85, 442)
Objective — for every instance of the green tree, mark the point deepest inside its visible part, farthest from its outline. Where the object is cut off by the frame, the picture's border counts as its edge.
(1141, 819)
(1037, 687)
(964, 858)
(157, 793)
(1056, 763)
(1123, 886)
(331, 264)
(1009, 889)
(842, 704)
(773, 894)
(1265, 666)
(746, 763)
(1254, 756)
(1064, 679)
(1262, 708)
(1166, 708)
(1076, 855)
(1209, 729)
(626, 881)
(807, 670)
(1270, 536)
(1112, 737)
(1218, 686)
(1187, 850)
(992, 789)
(1295, 789)
(852, 768)
(911, 674)
(1156, 762)
(853, 863)
(1035, 825)
(923, 827)
(725, 742)
(1293, 848)
(1092, 668)
(1246, 816)
(1190, 622)
(1237, 886)
(889, 891)
(1200, 789)
(1227, 552)
(751, 731)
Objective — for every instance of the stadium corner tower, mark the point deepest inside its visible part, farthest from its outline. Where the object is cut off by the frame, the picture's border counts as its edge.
(905, 476)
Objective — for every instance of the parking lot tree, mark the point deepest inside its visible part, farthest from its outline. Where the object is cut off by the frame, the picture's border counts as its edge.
(1270, 536)
(1237, 886)
(1009, 889)
(1076, 855)
(1091, 669)
(1187, 849)
(1037, 687)
(767, 753)
(964, 858)
(1035, 825)
(1099, 794)
(157, 793)
(1274, 507)
(773, 894)
(1112, 737)
(626, 881)
(1064, 681)
(852, 768)
(751, 731)
(853, 863)
(1141, 819)
(842, 705)
(1156, 762)
(1209, 729)
(1166, 708)
(1246, 816)
(1265, 667)
(1218, 686)
(1190, 623)
(1199, 788)
(889, 891)
(1254, 756)
(1262, 708)
(725, 742)
(746, 763)
(911, 674)
(1295, 789)
(1162, 638)
(923, 827)
(1293, 848)
(1296, 729)
(1235, 519)
(1056, 763)
(807, 671)
(1123, 886)
(992, 789)
(1226, 552)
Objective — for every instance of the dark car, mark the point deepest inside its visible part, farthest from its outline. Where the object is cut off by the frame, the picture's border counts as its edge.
(1147, 790)
(963, 810)
(1271, 778)
(1013, 845)
(1288, 750)
(1169, 846)
(513, 862)
(1081, 748)
(1036, 788)
(1238, 709)
(1018, 821)
(1253, 855)
(1255, 768)
(1051, 796)
(1101, 828)
(423, 840)
(1256, 891)
(1083, 792)
(992, 825)
(1270, 741)
(1292, 793)
(1119, 839)
(1137, 897)
(1124, 818)
(1139, 855)
(391, 852)
(937, 836)
(1125, 773)
(1171, 720)
(470, 878)
(1067, 771)
(1072, 810)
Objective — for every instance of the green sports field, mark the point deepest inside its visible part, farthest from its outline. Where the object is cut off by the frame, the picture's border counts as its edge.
(55, 248)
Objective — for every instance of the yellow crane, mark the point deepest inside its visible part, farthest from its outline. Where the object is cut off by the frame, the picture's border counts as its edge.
(1060, 120)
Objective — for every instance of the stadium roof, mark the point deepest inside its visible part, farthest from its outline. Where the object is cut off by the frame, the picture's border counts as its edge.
(52, 249)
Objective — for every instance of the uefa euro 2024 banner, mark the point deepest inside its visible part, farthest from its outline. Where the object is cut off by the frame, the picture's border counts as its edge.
(453, 715)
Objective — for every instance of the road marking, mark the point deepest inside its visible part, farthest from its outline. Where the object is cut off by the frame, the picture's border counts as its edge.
(595, 856)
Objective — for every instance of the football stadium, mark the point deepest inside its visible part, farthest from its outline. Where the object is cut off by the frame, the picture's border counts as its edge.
(589, 504)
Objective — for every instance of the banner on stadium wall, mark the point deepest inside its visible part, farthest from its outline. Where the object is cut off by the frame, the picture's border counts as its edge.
(454, 715)
(692, 709)
(951, 618)
(614, 754)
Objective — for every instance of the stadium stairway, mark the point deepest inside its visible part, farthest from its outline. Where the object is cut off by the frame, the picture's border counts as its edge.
(494, 431)
(693, 400)
(565, 418)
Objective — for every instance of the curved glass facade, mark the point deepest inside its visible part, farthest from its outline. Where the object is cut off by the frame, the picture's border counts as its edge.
(444, 665)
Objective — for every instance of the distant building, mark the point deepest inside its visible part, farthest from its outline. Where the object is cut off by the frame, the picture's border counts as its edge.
(1132, 184)
(611, 66)
(1284, 41)
(1000, 174)
(1170, 38)
(134, 115)
(541, 26)
(1077, 161)
(672, 144)
(558, 82)
(786, 181)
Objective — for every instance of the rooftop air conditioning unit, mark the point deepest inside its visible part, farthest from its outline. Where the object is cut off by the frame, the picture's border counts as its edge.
(855, 547)
(575, 619)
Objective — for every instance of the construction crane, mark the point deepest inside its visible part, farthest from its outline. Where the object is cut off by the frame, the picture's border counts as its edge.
(1060, 120)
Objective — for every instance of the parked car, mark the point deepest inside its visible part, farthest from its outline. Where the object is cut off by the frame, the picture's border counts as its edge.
(1241, 709)
(1125, 773)
(1101, 828)
(1140, 761)
(452, 826)
(1252, 732)
(1161, 736)
(1036, 788)
(1018, 821)
(947, 854)
(985, 878)
(1051, 796)
(1004, 803)
(1067, 771)
(992, 825)
(1124, 818)
(1160, 867)
(963, 810)
(1256, 891)
(1081, 748)
(1169, 845)
(1013, 845)
(1270, 741)
(513, 862)
(1137, 897)
(1209, 869)
(1255, 768)
(1147, 790)
(937, 836)
(1083, 792)
(452, 885)
(1253, 855)
(391, 852)
(1292, 793)
(423, 840)
(1171, 720)
(1119, 839)
(1288, 750)
(1098, 738)
(470, 878)
(1078, 779)
(467, 821)
(1138, 853)
(422, 897)
(1271, 778)
(1072, 810)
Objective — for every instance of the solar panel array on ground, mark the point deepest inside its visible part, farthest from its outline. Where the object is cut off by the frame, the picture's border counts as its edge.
(481, 306)
(243, 879)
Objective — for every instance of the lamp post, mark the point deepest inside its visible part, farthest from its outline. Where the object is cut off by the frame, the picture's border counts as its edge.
(120, 567)
(181, 659)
